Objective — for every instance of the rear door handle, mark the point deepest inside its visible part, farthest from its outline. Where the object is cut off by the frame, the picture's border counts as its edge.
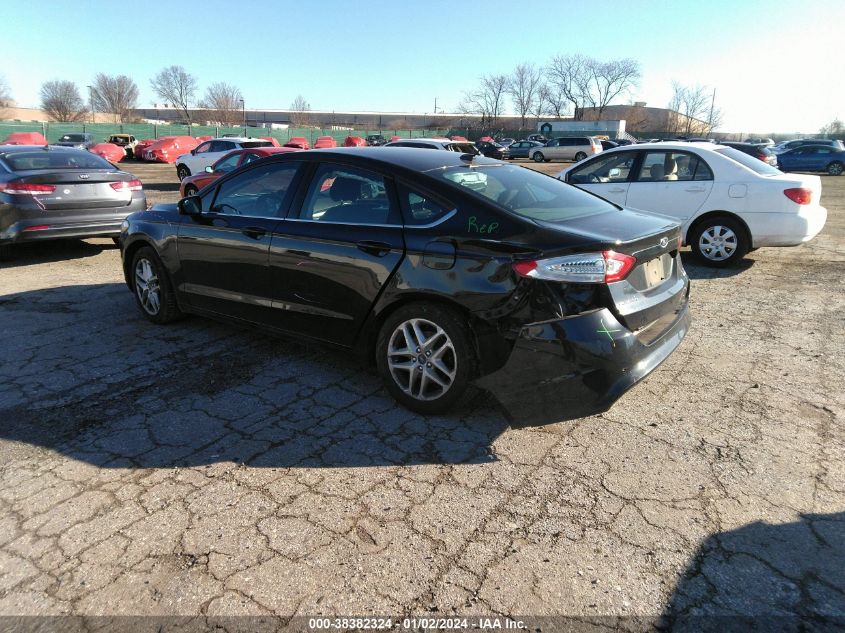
(379, 249)
(616, 190)
(255, 232)
(694, 189)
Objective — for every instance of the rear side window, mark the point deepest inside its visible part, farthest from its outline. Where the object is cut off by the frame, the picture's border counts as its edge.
(420, 209)
(348, 195)
(673, 166)
(46, 159)
(754, 164)
(525, 192)
(248, 144)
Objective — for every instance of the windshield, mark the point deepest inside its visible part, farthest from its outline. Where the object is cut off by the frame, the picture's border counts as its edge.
(73, 138)
(525, 192)
(754, 164)
(25, 161)
(463, 148)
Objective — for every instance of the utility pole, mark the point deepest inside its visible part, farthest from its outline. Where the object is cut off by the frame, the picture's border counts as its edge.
(710, 118)
(91, 99)
(435, 105)
(243, 106)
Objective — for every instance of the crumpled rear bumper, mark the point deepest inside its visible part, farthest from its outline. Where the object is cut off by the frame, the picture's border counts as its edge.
(580, 365)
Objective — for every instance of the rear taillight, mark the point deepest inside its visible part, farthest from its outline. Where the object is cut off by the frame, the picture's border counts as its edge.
(798, 195)
(27, 189)
(762, 157)
(126, 185)
(603, 267)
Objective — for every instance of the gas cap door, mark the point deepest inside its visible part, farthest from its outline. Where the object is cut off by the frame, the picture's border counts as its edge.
(439, 255)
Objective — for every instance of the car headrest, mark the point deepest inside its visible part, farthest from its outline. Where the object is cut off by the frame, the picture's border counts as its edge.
(345, 189)
(656, 171)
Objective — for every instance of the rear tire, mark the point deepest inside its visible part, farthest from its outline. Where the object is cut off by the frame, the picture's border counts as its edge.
(719, 241)
(153, 291)
(425, 357)
(182, 172)
(580, 156)
(538, 157)
(835, 169)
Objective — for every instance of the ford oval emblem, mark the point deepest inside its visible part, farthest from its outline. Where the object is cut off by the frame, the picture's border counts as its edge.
(83, 176)
(664, 242)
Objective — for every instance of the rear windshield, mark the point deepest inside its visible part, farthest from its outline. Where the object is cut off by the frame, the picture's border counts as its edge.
(525, 192)
(248, 144)
(25, 161)
(72, 138)
(463, 148)
(754, 164)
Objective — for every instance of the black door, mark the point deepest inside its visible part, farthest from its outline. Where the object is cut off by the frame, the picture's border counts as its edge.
(331, 258)
(224, 251)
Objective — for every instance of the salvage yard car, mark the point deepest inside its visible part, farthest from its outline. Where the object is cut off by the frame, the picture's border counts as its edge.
(440, 267)
(825, 158)
(169, 149)
(230, 162)
(126, 141)
(49, 192)
(209, 152)
(566, 148)
(727, 201)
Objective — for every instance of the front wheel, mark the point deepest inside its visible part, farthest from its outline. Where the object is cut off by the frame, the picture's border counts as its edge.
(835, 169)
(154, 294)
(719, 242)
(580, 156)
(538, 157)
(182, 172)
(425, 357)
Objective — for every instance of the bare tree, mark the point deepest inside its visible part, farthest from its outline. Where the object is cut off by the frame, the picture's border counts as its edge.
(176, 86)
(522, 87)
(5, 95)
(223, 101)
(609, 80)
(61, 101)
(693, 106)
(834, 127)
(299, 112)
(555, 101)
(568, 75)
(542, 104)
(117, 95)
(488, 100)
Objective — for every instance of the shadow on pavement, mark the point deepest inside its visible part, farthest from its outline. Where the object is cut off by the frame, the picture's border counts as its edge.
(50, 251)
(83, 374)
(696, 270)
(762, 577)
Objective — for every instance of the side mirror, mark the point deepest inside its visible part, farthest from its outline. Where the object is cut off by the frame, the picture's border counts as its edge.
(209, 169)
(192, 205)
(193, 152)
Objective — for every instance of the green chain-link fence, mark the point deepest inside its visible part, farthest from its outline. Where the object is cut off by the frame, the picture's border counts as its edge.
(101, 131)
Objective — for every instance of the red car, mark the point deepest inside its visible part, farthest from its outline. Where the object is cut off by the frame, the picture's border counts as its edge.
(25, 138)
(325, 141)
(486, 139)
(458, 138)
(167, 150)
(272, 139)
(395, 138)
(203, 139)
(354, 141)
(144, 144)
(111, 152)
(299, 142)
(229, 162)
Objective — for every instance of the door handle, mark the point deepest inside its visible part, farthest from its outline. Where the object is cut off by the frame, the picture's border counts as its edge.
(616, 190)
(379, 249)
(255, 232)
(694, 189)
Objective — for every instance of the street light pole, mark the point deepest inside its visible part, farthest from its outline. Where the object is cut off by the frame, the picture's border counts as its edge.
(91, 99)
(243, 105)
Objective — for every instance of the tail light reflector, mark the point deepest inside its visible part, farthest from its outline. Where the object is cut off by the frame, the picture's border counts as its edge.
(799, 195)
(600, 267)
(37, 227)
(126, 185)
(27, 189)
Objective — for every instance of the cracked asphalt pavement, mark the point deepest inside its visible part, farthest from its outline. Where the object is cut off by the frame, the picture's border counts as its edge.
(202, 469)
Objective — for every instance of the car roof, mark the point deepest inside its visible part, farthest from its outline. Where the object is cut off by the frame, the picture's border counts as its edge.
(11, 149)
(664, 145)
(414, 158)
(237, 139)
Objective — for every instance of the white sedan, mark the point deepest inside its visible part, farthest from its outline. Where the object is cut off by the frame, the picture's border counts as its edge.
(728, 202)
(209, 152)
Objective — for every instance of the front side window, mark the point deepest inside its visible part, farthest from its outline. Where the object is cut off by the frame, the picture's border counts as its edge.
(348, 195)
(204, 147)
(525, 192)
(260, 192)
(251, 157)
(611, 168)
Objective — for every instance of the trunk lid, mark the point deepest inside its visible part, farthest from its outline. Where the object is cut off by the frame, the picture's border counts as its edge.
(80, 188)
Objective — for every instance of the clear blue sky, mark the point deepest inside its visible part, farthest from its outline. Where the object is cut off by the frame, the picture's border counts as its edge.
(776, 66)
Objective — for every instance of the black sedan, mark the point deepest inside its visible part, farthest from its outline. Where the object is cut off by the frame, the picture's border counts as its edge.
(492, 150)
(521, 149)
(82, 140)
(440, 268)
(50, 192)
